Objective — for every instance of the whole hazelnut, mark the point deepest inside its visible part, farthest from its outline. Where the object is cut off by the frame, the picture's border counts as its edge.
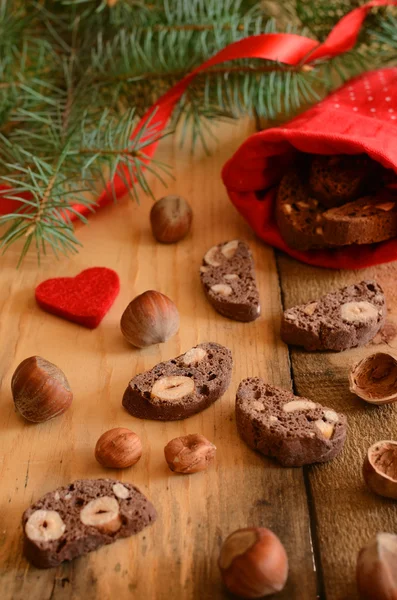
(118, 448)
(380, 468)
(150, 318)
(376, 571)
(253, 563)
(189, 454)
(170, 218)
(40, 390)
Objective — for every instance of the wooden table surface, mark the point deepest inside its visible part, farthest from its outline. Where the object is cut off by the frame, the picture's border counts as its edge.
(323, 514)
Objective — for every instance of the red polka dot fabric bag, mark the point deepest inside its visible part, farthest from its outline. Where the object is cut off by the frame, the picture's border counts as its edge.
(360, 117)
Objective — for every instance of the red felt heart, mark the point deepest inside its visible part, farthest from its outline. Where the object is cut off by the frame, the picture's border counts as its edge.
(84, 299)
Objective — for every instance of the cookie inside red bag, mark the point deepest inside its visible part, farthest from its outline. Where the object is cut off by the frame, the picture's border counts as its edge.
(340, 209)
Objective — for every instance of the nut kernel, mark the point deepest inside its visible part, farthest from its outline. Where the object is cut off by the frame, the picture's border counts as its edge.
(331, 416)
(258, 405)
(386, 206)
(310, 309)
(44, 526)
(291, 317)
(327, 429)
(359, 312)
(173, 388)
(120, 491)
(231, 277)
(222, 289)
(209, 257)
(103, 514)
(194, 356)
(299, 405)
(229, 249)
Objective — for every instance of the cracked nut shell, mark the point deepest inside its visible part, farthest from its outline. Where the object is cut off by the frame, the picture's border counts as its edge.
(171, 219)
(376, 571)
(374, 378)
(118, 448)
(380, 468)
(40, 390)
(151, 318)
(189, 454)
(253, 563)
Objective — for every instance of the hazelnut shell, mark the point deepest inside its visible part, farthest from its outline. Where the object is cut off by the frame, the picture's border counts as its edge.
(40, 390)
(253, 563)
(380, 468)
(118, 448)
(171, 219)
(189, 454)
(151, 318)
(376, 571)
(374, 378)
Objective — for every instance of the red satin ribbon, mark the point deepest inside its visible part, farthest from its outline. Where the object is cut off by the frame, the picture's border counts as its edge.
(287, 48)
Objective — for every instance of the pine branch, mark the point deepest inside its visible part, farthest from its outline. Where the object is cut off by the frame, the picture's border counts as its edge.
(47, 189)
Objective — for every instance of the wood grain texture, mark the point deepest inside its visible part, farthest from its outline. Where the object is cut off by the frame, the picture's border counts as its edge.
(345, 512)
(176, 558)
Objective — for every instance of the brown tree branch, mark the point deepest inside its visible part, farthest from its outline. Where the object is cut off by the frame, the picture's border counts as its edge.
(213, 71)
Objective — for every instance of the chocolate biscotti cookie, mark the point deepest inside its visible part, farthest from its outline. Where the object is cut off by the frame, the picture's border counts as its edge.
(291, 429)
(342, 319)
(81, 517)
(337, 179)
(364, 221)
(299, 216)
(181, 387)
(228, 279)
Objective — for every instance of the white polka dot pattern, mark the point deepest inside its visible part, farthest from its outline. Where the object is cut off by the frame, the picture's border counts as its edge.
(373, 95)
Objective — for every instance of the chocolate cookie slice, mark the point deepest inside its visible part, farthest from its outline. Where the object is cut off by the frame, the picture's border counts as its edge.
(228, 279)
(337, 179)
(81, 517)
(364, 221)
(299, 216)
(291, 429)
(342, 319)
(181, 387)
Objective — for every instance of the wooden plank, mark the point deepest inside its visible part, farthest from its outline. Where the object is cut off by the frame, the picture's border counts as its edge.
(176, 558)
(346, 514)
